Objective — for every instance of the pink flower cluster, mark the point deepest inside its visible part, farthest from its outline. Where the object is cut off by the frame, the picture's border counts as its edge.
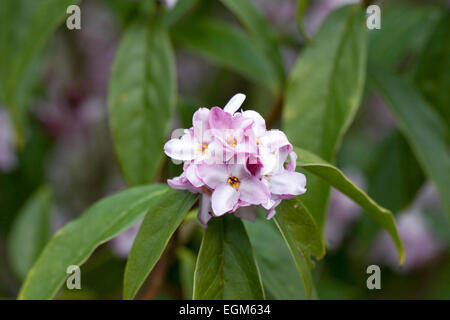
(234, 161)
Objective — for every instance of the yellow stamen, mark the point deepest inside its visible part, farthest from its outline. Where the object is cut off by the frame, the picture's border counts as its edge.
(234, 182)
(203, 148)
(231, 142)
(206, 190)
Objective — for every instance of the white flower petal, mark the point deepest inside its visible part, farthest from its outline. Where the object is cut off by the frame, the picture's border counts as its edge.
(235, 103)
(223, 199)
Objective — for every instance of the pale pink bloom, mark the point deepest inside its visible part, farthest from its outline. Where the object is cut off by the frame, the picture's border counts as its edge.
(234, 161)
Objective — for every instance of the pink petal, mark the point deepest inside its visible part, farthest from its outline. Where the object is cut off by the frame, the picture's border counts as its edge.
(273, 140)
(259, 126)
(213, 174)
(205, 208)
(288, 183)
(253, 191)
(181, 149)
(223, 199)
(192, 176)
(292, 161)
(200, 122)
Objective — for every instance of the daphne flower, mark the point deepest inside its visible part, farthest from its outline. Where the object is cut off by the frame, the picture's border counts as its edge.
(234, 161)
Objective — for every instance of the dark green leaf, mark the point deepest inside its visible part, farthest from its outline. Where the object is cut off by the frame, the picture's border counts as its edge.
(426, 132)
(141, 98)
(226, 46)
(395, 176)
(186, 259)
(226, 267)
(75, 242)
(324, 92)
(259, 30)
(334, 177)
(159, 224)
(433, 71)
(403, 27)
(30, 232)
(278, 270)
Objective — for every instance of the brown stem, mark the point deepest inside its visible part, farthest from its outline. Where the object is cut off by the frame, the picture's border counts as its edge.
(156, 278)
(275, 113)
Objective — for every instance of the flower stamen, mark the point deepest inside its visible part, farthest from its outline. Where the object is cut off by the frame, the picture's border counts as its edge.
(234, 182)
(232, 142)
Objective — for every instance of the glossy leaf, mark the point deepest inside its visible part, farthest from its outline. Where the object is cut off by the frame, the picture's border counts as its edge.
(159, 224)
(426, 132)
(259, 30)
(141, 99)
(226, 266)
(334, 177)
(302, 236)
(30, 232)
(278, 270)
(226, 46)
(324, 93)
(76, 241)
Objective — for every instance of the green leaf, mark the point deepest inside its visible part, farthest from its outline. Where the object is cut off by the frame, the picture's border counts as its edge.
(30, 232)
(180, 9)
(334, 177)
(226, 46)
(259, 30)
(396, 176)
(433, 71)
(324, 93)
(403, 27)
(302, 5)
(226, 267)
(76, 241)
(302, 236)
(26, 26)
(159, 224)
(186, 259)
(425, 131)
(278, 271)
(141, 98)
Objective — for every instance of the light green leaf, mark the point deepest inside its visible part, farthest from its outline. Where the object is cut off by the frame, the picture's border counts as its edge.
(278, 271)
(186, 259)
(324, 93)
(30, 232)
(159, 224)
(76, 241)
(141, 98)
(226, 267)
(226, 46)
(433, 71)
(334, 177)
(26, 26)
(426, 132)
(259, 30)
